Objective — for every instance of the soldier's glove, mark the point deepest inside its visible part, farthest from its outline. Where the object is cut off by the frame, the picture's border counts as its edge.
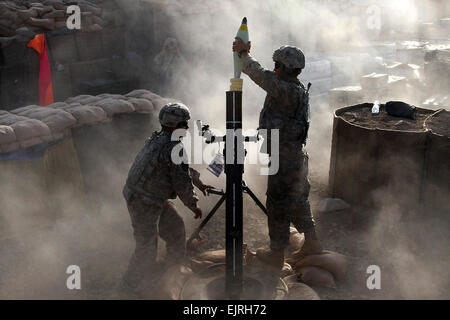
(239, 46)
(197, 213)
(205, 187)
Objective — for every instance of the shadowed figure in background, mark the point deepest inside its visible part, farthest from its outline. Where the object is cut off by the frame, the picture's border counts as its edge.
(286, 108)
(169, 66)
(155, 177)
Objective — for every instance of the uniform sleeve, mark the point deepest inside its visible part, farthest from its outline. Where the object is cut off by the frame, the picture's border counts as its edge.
(264, 78)
(182, 183)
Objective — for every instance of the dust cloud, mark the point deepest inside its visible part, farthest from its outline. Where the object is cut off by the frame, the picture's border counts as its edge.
(41, 237)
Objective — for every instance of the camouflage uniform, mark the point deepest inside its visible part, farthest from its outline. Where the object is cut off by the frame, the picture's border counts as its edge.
(285, 108)
(153, 180)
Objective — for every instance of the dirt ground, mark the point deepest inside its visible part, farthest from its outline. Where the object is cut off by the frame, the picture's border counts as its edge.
(33, 266)
(364, 117)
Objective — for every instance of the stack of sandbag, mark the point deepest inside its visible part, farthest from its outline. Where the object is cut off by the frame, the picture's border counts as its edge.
(322, 269)
(84, 114)
(140, 101)
(157, 101)
(114, 105)
(21, 132)
(206, 259)
(298, 290)
(58, 121)
(24, 19)
(319, 270)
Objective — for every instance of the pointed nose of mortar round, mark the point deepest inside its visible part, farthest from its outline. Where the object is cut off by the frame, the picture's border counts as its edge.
(243, 34)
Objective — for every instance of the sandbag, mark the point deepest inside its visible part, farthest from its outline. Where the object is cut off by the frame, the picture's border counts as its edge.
(333, 262)
(300, 291)
(400, 109)
(114, 106)
(296, 239)
(24, 128)
(286, 270)
(138, 93)
(111, 95)
(293, 278)
(197, 265)
(169, 285)
(57, 120)
(48, 24)
(57, 4)
(7, 135)
(84, 114)
(141, 105)
(158, 103)
(31, 142)
(55, 14)
(84, 99)
(215, 256)
(316, 277)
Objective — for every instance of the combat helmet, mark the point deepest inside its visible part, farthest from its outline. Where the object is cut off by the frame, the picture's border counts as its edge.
(173, 113)
(291, 57)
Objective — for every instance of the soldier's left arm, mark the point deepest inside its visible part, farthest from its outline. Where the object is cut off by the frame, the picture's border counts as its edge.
(180, 177)
(264, 78)
(195, 176)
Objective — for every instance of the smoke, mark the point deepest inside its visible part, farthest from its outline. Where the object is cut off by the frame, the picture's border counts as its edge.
(411, 247)
(42, 236)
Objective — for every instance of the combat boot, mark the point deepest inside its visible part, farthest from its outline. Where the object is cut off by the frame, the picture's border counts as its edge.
(273, 258)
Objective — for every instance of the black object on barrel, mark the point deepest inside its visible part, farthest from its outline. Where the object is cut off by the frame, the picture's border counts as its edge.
(400, 109)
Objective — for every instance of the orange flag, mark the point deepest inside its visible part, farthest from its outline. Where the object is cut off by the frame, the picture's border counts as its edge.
(45, 75)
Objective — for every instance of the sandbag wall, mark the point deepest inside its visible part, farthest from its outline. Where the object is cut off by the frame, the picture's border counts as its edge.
(55, 157)
(378, 167)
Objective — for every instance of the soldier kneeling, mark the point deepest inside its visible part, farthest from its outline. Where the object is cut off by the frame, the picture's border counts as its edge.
(155, 177)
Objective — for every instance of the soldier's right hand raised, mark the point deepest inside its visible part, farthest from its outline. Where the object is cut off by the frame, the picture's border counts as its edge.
(197, 213)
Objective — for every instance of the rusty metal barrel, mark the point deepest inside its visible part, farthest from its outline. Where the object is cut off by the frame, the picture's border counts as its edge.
(380, 159)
